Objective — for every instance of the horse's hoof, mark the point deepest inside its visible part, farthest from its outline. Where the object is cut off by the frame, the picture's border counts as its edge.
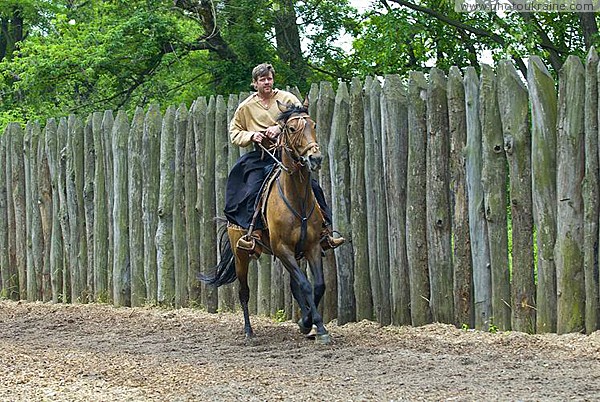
(323, 339)
(303, 329)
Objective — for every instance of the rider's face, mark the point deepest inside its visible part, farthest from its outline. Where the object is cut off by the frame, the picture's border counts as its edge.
(264, 84)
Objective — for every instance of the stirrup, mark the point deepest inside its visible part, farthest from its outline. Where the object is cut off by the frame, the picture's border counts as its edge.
(248, 244)
(329, 242)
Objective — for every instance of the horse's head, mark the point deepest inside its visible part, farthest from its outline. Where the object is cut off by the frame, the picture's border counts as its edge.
(298, 137)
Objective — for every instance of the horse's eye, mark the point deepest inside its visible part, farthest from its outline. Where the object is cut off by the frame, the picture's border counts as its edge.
(292, 129)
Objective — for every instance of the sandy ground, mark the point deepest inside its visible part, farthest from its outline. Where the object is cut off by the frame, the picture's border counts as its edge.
(100, 353)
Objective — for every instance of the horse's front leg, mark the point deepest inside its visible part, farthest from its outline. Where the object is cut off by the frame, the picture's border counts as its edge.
(315, 262)
(305, 322)
(305, 287)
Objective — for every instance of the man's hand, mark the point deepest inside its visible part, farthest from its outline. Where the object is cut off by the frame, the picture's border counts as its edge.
(273, 131)
(258, 137)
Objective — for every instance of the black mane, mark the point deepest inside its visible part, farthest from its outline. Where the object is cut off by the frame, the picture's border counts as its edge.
(292, 109)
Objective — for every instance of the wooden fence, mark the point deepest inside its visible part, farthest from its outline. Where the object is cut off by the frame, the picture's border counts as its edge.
(441, 184)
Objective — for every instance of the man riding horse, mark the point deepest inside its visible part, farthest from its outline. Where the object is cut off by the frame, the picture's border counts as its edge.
(255, 121)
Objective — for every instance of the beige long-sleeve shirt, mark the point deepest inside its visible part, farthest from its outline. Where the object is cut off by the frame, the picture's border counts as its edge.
(251, 116)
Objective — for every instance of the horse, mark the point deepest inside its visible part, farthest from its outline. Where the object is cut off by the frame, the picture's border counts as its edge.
(293, 224)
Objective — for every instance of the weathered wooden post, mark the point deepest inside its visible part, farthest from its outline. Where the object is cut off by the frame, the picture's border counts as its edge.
(416, 200)
(44, 185)
(381, 248)
(394, 111)
(372, 176)
(339, 164)
(56, 243)
(513, 100)
(324, 116)
(493, 178)
(225, 293)
(150, 194)
(192, 216)
(463, 266)
(101, 214)
(358, 204)
(4, 261)
(542, 98)
(570, 154)
(45, 207)
(107, 127)
(209, 209)
(439, 226)
(482, 281)
(121, 263)
(591, 202)
(233, 154)
(35, 246)
(11, 285)
(164, 232)
(17, 187)
(37, 231)
(180, 253)
(88, 201)
(136, 221)
(74, 183)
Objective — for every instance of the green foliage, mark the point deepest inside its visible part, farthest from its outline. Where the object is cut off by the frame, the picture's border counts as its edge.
(280, 316)
(78, 56)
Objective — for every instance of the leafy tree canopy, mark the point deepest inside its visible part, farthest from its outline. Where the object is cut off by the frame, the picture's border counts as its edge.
(77, 56)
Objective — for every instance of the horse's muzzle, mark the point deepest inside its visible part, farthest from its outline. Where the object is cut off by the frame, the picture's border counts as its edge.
(315, 161)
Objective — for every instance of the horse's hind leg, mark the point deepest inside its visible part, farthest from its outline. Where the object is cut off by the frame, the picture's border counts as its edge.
(241, 269)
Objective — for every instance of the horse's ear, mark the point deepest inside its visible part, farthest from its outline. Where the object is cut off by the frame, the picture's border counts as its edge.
(282, 106)
(305, 103)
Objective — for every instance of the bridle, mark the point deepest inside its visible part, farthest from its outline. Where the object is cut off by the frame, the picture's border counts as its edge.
(290, 142)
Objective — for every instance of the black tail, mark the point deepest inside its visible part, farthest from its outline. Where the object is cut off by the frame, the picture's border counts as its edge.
(225, 269)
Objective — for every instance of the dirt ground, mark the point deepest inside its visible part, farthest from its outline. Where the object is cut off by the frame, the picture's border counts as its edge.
(100, 353)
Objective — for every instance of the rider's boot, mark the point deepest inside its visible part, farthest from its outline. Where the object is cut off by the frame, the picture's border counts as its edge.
(250, 243)
(327, 239)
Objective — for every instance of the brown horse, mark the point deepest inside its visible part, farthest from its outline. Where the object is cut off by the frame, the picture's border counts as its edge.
(293, 222)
